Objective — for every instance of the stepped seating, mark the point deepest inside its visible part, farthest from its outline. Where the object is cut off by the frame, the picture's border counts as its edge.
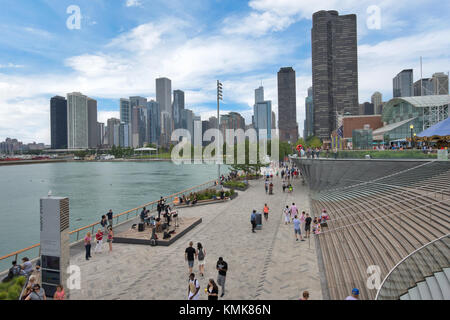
(435, 287)
(380, 223)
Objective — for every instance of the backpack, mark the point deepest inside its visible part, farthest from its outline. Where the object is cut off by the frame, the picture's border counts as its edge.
(201, 255)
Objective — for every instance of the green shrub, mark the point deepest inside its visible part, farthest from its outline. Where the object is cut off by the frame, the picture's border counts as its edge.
(3, 295)
(21, 281)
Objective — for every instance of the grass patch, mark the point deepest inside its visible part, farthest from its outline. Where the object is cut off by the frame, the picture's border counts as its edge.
(11, 290)
(384, 154)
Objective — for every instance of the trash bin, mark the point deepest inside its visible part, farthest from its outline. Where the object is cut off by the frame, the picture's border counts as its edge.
(258, 221)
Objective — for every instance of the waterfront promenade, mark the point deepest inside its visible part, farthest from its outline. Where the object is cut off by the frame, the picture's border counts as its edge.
(268, 264)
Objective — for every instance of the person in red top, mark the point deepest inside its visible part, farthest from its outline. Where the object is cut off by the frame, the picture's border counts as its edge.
(266, 211)
(99, 240)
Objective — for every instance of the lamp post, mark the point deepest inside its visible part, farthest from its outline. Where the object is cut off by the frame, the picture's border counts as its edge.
(219, 97)
(412, 128)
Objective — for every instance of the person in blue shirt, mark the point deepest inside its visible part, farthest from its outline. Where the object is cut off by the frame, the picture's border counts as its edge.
(297, 228)
(253, 220)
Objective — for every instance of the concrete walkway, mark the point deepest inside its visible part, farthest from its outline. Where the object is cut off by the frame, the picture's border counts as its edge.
(268, 264)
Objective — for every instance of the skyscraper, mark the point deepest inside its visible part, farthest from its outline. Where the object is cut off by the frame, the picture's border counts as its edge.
(58, 122)
(138, 121)
(164, 98)
(263, 118)
(334, 69)
(309, 115)
(101, 133)
(77, 121)
(126, 115)
(440, 83)
(377, 100)
(113, 132)
(423, 87)
(92, 123)
(155, 121)
(259, 94)
(177, 107)
(402, 84)
(287, 105)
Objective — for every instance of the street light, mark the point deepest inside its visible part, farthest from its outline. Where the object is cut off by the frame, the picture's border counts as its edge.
(219, 97)
(412, 128)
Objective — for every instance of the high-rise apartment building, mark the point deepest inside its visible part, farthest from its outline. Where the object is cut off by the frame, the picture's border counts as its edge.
(81, 120)
(287, 105)
(402, 84)
(58, 122)
(334, 69)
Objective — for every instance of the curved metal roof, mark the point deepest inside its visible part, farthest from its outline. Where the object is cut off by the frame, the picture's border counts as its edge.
(422, 101)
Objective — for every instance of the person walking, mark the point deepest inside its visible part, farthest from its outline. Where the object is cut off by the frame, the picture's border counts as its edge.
(99, 241)
(253, 220)
(193, 288)
(189, 256)
(307, 226)
(201, 253)
(87, 245)
(222, 268)
(266, 212)
(110, 237)
(212, 290)
(297, 229)
(294, 211)
(266, 185)
(110, 217)
(287, 213)
(104, 224)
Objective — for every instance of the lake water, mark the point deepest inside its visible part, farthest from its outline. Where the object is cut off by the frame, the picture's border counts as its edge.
(92, 187)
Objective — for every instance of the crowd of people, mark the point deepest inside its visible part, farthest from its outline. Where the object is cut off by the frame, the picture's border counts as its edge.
(212, 289)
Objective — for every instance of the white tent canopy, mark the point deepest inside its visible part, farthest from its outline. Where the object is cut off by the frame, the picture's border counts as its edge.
(145, 149)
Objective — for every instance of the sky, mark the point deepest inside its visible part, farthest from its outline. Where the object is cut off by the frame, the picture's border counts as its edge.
(120, 47)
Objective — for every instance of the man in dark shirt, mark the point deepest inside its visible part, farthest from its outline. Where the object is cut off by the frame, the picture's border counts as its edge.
(307, 225)
(222, 267)
(110, 217)
(189, 256)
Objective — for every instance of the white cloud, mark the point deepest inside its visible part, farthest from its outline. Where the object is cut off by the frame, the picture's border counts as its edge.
(133, 3)
(11, 66)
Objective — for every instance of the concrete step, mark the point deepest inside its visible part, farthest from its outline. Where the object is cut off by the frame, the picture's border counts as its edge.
(444, 284)
(424, 291)
(435, 289)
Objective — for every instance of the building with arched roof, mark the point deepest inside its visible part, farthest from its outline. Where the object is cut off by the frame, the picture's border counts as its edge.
(421, 112)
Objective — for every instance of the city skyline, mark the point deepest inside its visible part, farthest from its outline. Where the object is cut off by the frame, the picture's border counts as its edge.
(206, 49)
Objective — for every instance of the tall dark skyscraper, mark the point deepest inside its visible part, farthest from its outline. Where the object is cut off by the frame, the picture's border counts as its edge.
(58, 122)
(287, 105)
(177, 107)
(334, 69)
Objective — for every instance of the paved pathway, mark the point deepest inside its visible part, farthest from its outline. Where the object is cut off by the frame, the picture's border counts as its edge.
(268, 264)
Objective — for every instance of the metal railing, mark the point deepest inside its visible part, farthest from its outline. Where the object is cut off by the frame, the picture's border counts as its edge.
(119, 218)
(414, 268)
